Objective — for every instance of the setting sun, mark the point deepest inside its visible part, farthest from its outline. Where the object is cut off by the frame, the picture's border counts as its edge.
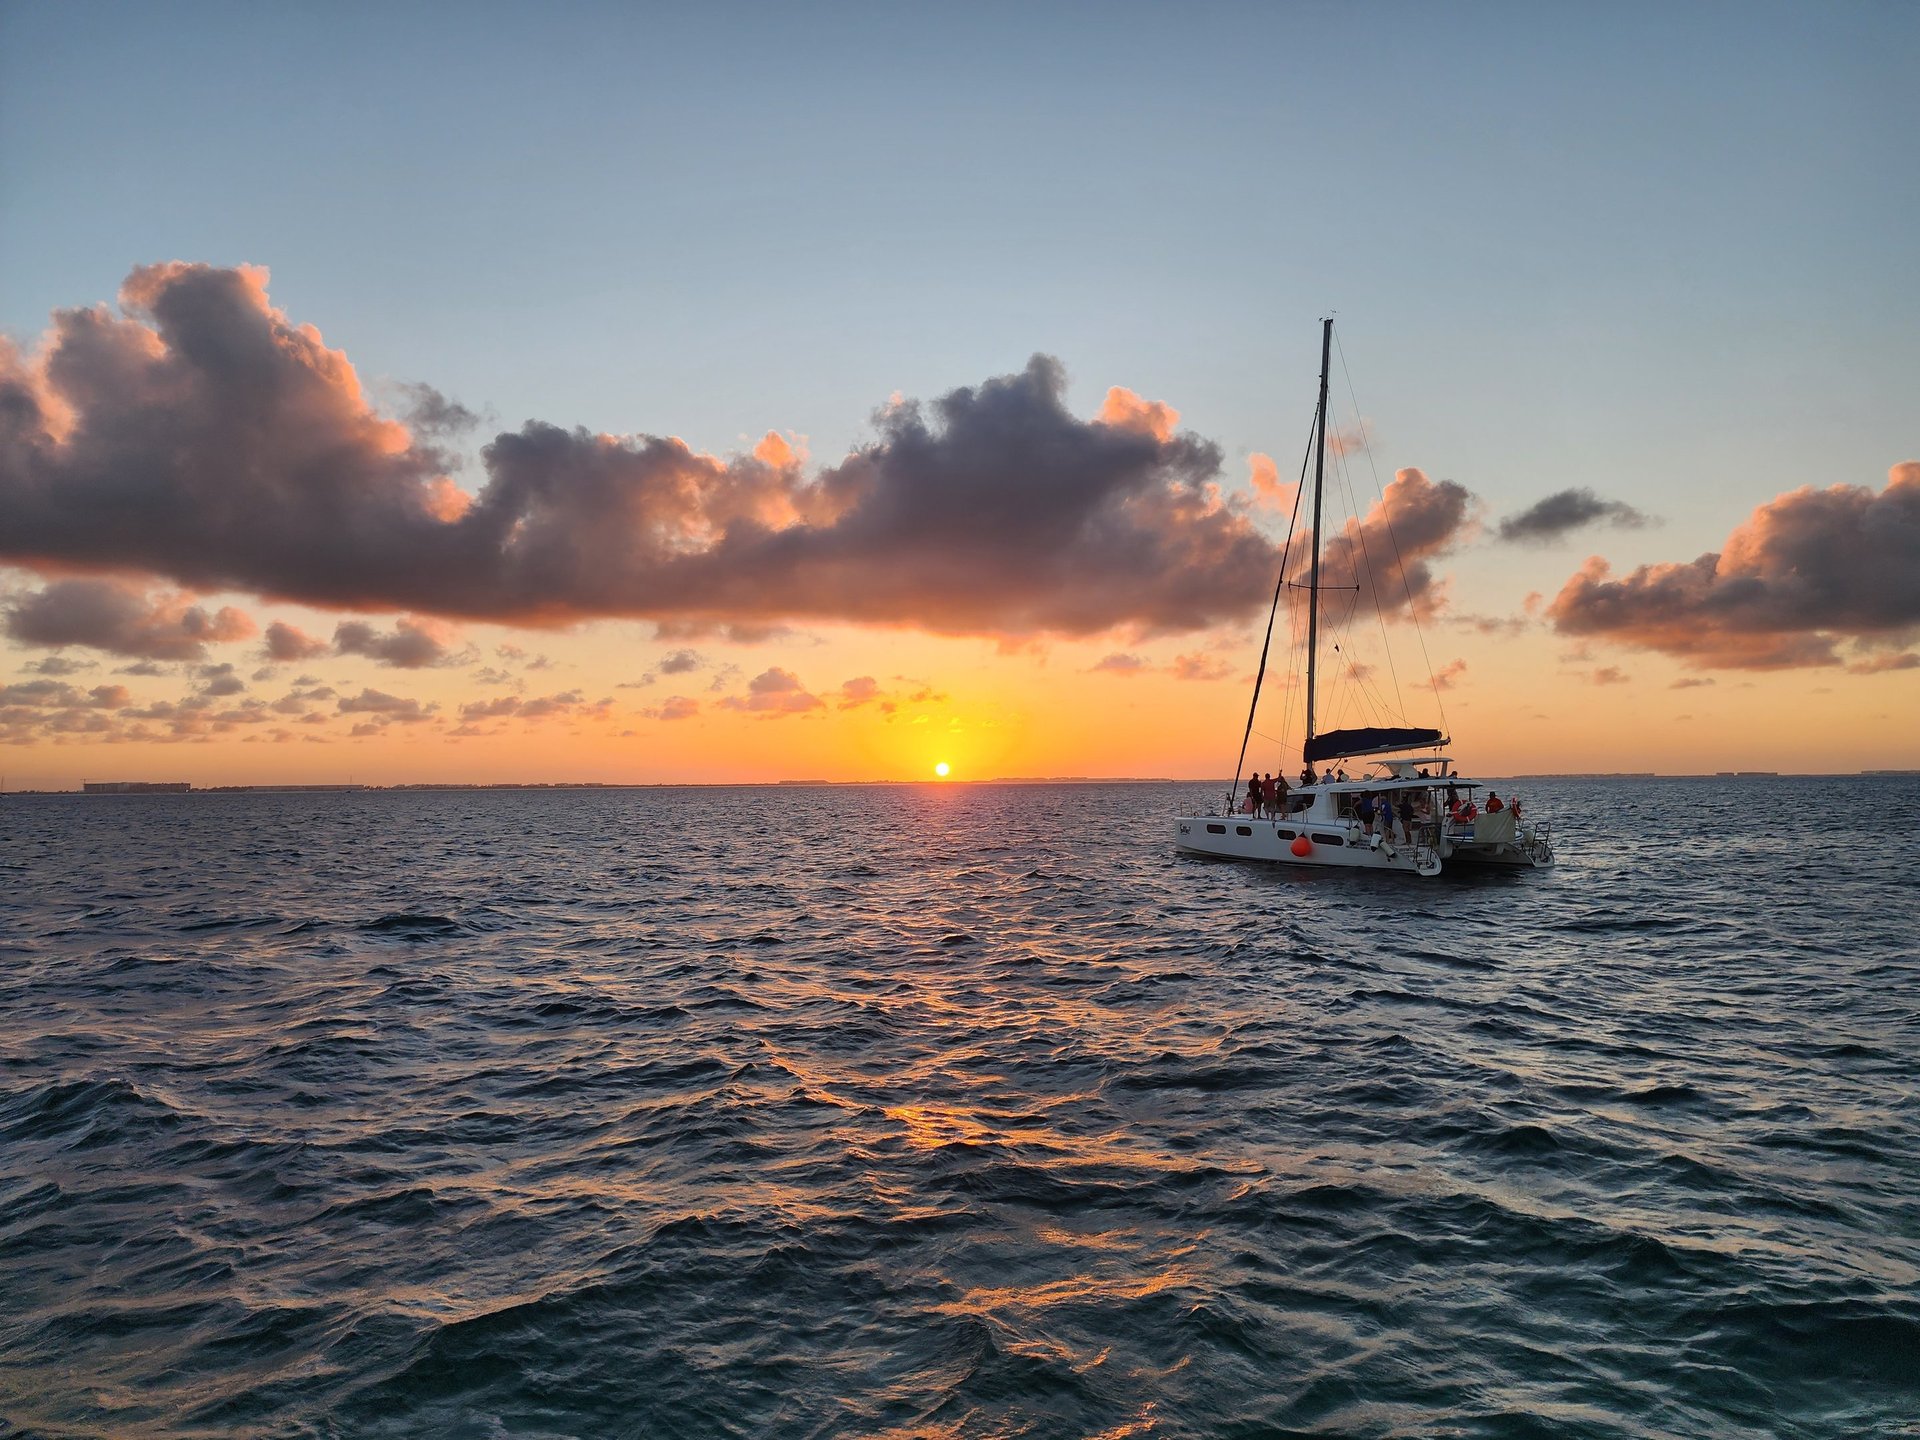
(941, 769)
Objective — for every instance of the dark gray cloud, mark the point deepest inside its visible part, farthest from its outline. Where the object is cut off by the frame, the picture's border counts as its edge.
(58, 665)
(411, 645)
(1805, 572)
(1566, 511)
(202, 435)
(113, 615)
(288, 642)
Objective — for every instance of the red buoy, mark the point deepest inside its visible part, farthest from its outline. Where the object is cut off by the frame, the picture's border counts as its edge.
(1301, 846)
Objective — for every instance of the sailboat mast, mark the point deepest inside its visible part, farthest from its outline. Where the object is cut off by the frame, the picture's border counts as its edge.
(1319, 481)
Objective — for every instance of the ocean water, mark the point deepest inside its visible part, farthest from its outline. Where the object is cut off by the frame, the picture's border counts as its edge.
(961, 1111)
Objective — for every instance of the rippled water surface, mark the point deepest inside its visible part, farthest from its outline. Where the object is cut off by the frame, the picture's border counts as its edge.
(968, 1111)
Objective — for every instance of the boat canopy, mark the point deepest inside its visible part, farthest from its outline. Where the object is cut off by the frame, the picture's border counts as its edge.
(1369, 740)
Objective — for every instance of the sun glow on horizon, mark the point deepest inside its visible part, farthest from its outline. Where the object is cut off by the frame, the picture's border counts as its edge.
(942, 769)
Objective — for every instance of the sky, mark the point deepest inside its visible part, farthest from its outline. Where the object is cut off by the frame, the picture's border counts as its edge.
(581, 392)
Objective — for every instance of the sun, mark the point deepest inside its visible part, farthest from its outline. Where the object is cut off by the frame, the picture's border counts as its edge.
(942, 769)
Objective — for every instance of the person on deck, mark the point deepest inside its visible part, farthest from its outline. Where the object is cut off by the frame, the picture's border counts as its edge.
(1326, 775)
(1278, 797)
(1363, 810)
(1406, 816)
(1254, 796)
(1494, 803)
(1306, 774)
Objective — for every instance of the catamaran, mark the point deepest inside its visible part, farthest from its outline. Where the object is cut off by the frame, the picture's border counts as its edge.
(1411, 812)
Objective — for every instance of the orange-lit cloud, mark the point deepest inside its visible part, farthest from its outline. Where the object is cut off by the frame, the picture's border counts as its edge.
(1385, 556)
(1270, 492)
(289, 642)
(1805, 572)
(1128, 411)
(773, 693)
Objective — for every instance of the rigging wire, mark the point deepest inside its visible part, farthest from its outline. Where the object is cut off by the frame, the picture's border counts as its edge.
(1412, 608)
(1279, 585)
(1360, 531)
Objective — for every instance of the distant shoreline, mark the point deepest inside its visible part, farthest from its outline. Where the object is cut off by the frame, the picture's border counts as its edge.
(148, 788)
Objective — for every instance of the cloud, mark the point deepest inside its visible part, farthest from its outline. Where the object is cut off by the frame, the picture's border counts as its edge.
(680, 662)
(220, 680)
(46, 694)
(1881, 664)
(287, 642)
(1692, 683)
(1121, 664)
(569, 702)
(1270, 492)
(1803, 573)
(1566, 511)
(674, 707)
(1447, 677)
(861, 690)
(773, 693)
(1609, 675)
(201, 434)
(431, 413)
(120, 617)
(58, 665)
(412, 645)
(1125, 410)
(1383, 557)
(388, 709)
(1199, 667)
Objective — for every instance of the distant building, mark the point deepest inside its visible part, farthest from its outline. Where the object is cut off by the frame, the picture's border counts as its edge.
(135, 787)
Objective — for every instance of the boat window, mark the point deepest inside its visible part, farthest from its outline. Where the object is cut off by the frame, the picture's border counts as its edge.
(1280, 834)
(1216, 829)
(1243, 830)
(1329, 839)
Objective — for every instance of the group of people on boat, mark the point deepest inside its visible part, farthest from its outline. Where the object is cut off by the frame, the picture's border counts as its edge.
(1397, 817)
(1270, 796)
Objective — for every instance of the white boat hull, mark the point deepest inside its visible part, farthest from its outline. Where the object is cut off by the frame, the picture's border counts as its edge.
(1332, 845)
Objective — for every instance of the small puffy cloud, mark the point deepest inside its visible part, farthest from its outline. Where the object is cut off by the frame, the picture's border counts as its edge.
(289, 642)
(1803, 573)
(861, 690)
(1120, 663)
(1692, 682)
(388, 709)
(773, 693)
(1447, 677)
(1561, 513)
(413, 644)
(220, 681)
(568, 703)
(1270, 492)
(58, 665)
(119, 617)
(1609, 675)
(681, 662)
(431, 413)
(1199, 667)
(674, 707)
(56, 694)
